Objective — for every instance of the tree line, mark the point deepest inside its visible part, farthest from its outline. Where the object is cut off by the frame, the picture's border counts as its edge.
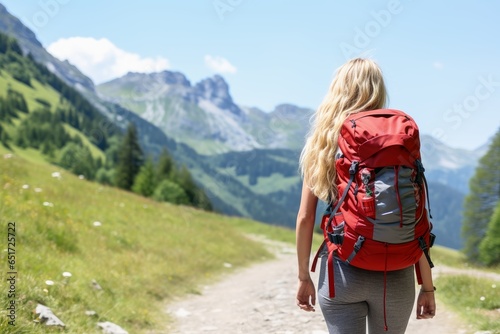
(162, 179)
(481, 225)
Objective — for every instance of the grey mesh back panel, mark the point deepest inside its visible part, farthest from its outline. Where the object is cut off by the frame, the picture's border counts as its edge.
(387, 221)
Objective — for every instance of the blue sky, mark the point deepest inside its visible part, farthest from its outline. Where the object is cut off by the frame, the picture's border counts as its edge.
(440, 59)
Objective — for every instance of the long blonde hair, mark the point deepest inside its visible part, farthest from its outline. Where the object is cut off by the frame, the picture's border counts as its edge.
(357, 86)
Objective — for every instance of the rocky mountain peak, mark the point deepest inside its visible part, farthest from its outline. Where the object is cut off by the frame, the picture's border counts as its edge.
(216, 90)
(174, 78)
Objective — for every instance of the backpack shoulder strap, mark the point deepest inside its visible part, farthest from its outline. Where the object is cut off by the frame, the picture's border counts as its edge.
(352, 174)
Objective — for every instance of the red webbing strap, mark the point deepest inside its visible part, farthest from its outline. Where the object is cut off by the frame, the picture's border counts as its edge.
(315, 261)
(331, 249)
(331, 280)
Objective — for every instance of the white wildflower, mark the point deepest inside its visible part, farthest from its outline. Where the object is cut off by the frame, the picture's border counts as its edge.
(81, 177)
(7, 156)
(482, 298)
(38, 190)
(91, 313)
(227, 265)
(56, 175)
(97, 223)
(25, 186)
(67, 274)
(48, 204)
(49, 282)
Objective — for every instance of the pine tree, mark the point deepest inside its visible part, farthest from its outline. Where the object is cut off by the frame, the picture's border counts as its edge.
(145, 181)
(112, 152)
(130, 159)
(165, 166)
(482, 199)
(195, 194)
(4, 137)
(185, 180)
(17, 101)
(489, 248)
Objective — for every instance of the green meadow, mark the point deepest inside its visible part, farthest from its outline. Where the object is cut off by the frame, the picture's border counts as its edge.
(140, 252)
(474, 297)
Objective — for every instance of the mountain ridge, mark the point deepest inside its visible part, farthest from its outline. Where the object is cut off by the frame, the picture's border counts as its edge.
(284, 127)
(12, 26)
(178, 108)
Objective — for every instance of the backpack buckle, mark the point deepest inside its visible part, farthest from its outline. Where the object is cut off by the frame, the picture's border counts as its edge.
(432, 237)
(357, 247)
(354, 167)
(337, 236)
(359, 243)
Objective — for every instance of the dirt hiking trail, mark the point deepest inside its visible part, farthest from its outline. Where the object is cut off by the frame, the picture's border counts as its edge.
(261, 299)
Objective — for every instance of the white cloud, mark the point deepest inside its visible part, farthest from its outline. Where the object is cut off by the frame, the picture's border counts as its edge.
(219, 64)
(101, 60)
(438, 65)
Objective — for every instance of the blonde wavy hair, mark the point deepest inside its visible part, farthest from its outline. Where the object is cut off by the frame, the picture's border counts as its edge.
(358, 86)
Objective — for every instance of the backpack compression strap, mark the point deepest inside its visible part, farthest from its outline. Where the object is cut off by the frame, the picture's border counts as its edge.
(352, 174)
(331, 246)
(421, 178)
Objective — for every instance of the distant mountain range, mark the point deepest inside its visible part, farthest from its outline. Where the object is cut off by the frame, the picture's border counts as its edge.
(245, 158)
(204, 115)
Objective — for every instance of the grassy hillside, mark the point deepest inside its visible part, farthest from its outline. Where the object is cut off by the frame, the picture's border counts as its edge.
(142, 254)
(39, 111)
(42, 92)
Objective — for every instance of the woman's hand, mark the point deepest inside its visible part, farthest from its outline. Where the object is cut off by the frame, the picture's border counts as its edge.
(306, 295)
(426, 305)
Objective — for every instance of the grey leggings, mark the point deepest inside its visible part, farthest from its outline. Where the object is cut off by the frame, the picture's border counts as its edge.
(359, 295)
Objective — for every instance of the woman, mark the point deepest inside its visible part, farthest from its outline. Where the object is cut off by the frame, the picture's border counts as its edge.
(358, 86)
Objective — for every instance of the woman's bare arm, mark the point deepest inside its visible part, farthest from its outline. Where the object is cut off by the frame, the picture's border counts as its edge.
(306, 293)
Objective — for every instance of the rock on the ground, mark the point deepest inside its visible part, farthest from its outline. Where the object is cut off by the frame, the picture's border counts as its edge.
(111, 328)
(47, 317)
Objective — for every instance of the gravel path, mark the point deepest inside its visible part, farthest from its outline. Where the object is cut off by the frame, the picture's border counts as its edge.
(261, 299)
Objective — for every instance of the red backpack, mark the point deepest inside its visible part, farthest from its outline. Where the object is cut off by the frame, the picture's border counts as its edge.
(380, 222)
